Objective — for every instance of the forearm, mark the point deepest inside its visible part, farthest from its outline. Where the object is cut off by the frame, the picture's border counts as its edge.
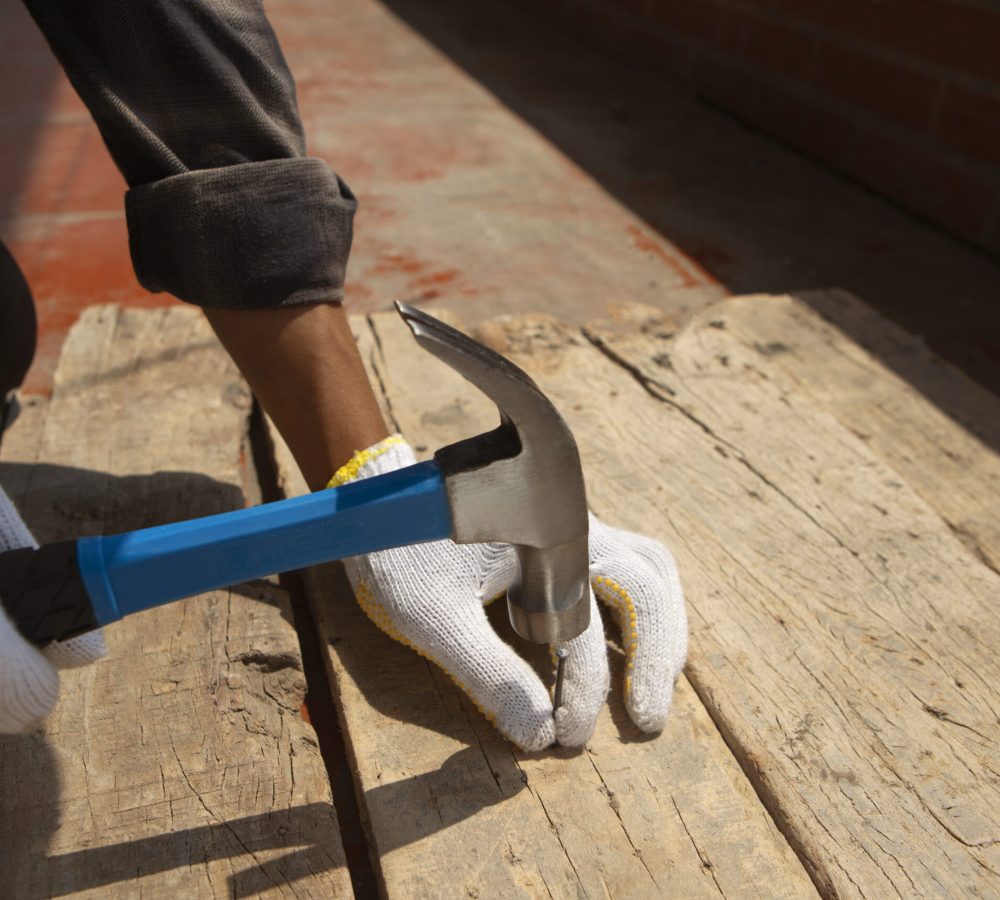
(304, 367)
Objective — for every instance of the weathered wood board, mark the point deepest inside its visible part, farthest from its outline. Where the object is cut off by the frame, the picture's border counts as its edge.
(883, 384)
(454, 811)
(843, 636)
(180, 765)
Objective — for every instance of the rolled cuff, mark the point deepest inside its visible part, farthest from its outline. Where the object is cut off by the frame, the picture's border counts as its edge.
(256, 235)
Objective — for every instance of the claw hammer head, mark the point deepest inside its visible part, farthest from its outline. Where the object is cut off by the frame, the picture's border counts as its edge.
(520, 484)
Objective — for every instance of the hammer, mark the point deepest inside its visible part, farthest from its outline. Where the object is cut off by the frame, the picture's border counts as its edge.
(520, 484)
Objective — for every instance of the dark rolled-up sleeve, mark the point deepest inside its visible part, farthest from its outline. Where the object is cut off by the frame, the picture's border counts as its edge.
(253, 235)
(197, 107)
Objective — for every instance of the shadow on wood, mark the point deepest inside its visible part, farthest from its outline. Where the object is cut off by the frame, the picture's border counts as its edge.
(132, 860)
(61, 502)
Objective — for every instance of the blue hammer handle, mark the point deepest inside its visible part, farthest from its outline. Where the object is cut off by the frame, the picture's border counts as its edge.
(67, 588)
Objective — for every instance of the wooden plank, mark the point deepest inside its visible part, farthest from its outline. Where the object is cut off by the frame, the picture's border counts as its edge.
(842, 636)
(180, 765)
(629, 816)
(881, 393)
(907, 356)
(892, 393)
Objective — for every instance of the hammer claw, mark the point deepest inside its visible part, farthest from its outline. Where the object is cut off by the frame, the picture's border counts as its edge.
(521, 484)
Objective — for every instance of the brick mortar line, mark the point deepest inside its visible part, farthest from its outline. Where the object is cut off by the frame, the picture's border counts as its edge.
(825, 102)
(683, 71)
(908, 61)
(859, 114)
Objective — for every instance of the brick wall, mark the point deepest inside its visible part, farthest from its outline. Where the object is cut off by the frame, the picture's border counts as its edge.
(904, 95)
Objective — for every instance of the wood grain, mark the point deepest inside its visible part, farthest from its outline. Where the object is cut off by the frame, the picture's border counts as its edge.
(180, 765)
(842, 635)
(895, 395)
(453, 810)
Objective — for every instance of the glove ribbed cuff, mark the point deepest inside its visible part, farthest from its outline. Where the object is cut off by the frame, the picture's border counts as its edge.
(387, 455)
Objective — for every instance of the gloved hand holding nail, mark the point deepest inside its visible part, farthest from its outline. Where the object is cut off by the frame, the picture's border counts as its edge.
(512, 502)
(431, 597)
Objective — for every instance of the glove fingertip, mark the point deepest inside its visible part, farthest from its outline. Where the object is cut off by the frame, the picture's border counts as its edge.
(583, 700)
(649, 710)
(531, 728)
(574, 729)
(650, 724)
(588, 680)
(532, 742)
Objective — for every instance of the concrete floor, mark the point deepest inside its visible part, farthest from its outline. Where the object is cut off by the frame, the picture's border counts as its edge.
(502, 166)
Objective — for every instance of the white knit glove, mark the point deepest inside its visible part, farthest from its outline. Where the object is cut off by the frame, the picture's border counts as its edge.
(29, 682)
(431, 598)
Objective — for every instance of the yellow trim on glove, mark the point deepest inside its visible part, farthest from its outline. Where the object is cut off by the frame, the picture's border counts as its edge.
(349, 470)
(615, 596)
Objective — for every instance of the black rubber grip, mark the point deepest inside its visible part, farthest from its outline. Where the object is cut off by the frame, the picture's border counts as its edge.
(44, 594)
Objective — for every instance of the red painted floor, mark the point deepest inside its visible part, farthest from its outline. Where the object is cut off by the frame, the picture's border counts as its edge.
(500, 168)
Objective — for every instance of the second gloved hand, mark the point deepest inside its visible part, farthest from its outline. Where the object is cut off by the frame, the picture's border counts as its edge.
(29, 682)
(431, 597)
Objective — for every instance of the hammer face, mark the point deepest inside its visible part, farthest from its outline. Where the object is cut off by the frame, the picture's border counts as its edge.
(533, 499)
(550, 602)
